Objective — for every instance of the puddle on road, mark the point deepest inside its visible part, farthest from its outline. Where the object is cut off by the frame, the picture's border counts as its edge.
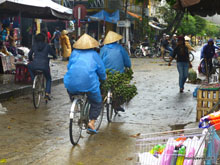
(143, 71)
(3, 110)
(178, 126)
(163, 64)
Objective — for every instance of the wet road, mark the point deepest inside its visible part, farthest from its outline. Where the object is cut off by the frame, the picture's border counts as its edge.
(29, 136)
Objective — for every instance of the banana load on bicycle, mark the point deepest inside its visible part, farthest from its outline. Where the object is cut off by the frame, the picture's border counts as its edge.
(85, 68)
(116, 59)
(41, 50)
(207, 54)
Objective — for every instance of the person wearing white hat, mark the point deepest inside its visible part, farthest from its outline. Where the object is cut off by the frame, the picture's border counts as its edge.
(85, 68)
(174, 41)
(114, 56)
(188, 45)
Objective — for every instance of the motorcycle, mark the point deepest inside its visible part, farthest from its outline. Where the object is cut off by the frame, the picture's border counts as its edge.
(143, 51)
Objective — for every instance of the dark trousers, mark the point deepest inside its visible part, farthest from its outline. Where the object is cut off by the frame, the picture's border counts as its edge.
(46, 73)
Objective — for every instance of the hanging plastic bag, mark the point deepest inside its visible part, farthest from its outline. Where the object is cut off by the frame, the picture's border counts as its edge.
(213, 148)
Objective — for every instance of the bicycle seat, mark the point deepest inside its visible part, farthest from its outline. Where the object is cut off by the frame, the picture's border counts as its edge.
(78, 94)
(38, 71)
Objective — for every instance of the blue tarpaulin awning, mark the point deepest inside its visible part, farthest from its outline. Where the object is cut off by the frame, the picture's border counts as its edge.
(105, 16)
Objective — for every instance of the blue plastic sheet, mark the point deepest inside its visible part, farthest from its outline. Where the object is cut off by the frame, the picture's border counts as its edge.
(105, 16)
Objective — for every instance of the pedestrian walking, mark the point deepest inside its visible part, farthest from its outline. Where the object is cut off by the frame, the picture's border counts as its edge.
(85, 68)
(56, 39)
(183, 63)
(65, 45)
(115, 57)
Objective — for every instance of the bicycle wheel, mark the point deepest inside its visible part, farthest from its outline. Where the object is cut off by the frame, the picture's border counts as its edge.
(191, 57)
(99, 119)
(37, 91)
(138, 53)
(109, 110)
(75, 126)
(166, 56)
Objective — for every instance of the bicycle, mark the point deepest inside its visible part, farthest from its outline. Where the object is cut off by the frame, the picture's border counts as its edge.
(150, 51)
(79, 117)
(39, 85)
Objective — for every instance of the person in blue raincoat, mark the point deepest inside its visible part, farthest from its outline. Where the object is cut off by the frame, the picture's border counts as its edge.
(41, 50)
(208, 52)
(85, 68)
(114, 56)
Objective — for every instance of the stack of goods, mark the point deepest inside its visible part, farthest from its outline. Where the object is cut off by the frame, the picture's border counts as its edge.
(210, 87)
(120, 85)
(212, 119)
(179, 151)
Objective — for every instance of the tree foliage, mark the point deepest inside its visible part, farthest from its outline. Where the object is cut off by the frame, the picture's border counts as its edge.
(188, 26)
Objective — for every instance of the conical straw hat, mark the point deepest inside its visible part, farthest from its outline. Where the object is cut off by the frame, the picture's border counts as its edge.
(112, 37)
(85, 42)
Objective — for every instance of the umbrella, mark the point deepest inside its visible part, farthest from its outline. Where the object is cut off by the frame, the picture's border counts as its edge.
(44, 9)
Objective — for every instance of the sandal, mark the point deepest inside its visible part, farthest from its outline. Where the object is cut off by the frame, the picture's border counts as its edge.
(91, 131)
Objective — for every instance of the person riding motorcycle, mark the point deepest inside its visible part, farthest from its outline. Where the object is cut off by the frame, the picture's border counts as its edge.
(144, 45)
(208, 52)
(166, 45)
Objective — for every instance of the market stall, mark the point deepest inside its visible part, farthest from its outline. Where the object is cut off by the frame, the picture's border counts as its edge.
(11, 14)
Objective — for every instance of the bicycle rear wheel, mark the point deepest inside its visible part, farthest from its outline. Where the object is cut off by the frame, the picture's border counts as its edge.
(37, 91)
(75, 126)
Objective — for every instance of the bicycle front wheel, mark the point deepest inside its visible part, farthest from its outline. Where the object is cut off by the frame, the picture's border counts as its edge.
(191, 57)
(37, 91)
(109, 110)
(138, 53)
(75, 126)
(166, 56)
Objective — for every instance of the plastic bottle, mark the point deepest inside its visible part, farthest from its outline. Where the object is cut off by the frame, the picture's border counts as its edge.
(181, 155)
(175, 155)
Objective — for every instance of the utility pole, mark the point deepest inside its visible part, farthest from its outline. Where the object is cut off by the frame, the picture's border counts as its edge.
(126, 8)
(126, 19)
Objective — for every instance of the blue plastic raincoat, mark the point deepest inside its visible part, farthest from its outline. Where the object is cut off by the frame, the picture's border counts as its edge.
(115, 57)
(85, 68)
(209, 50)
